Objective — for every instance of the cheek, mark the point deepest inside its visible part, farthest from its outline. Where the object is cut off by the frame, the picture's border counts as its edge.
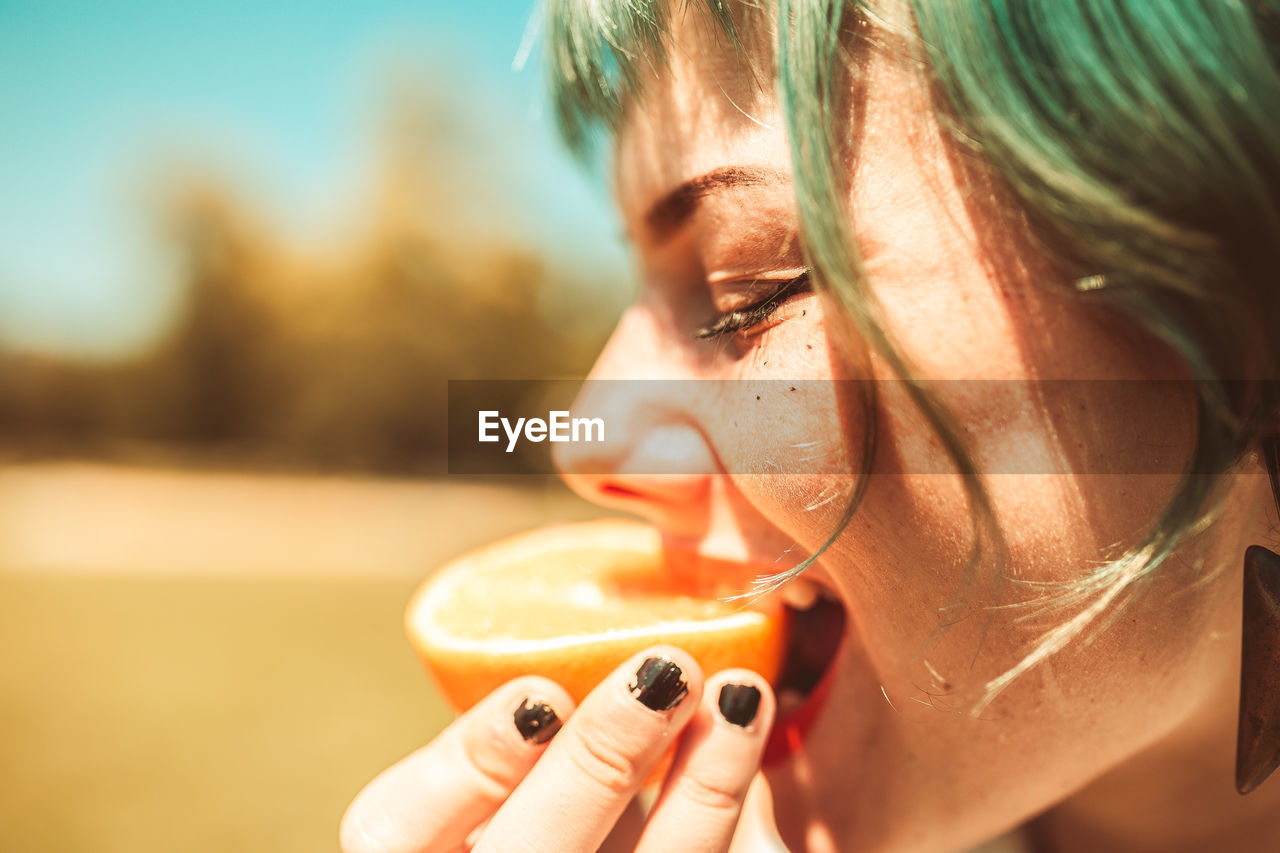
(785, 432)
(1075, 471)
(924, 614)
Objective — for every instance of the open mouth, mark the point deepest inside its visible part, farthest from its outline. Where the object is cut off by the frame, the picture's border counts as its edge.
(816, 628)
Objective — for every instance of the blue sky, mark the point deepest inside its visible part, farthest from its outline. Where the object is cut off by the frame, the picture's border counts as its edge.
(96, 97)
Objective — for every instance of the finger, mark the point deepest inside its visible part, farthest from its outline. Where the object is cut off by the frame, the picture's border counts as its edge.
(626, 832)
(699, 805)
(433, 798)
(573, 797)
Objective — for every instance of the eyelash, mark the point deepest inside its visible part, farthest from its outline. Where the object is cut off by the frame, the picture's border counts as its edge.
(742, 319)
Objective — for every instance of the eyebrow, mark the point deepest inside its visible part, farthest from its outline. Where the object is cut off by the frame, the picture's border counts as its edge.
(671, 212)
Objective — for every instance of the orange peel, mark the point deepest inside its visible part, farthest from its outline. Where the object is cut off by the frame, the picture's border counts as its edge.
(571, 602)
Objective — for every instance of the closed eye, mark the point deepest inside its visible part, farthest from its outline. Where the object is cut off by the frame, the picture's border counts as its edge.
(744, 319)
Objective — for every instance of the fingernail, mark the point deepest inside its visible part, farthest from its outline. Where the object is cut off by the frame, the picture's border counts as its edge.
(659, 684)
(739, 703)
(536, 721)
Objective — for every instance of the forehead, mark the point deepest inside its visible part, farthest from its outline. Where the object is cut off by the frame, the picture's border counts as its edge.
(710, 107)
(713, 106)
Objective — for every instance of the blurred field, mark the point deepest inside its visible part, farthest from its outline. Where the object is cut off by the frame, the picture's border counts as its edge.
(212, 662)
(197, 659)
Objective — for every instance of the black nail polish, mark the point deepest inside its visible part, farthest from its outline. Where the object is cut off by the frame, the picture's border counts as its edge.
(536, 721)
(659, 684)
(739, 703)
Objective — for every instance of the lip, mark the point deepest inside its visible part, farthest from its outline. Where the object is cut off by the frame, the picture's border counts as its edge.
(708, 569)
(688, 558)
(701, 567)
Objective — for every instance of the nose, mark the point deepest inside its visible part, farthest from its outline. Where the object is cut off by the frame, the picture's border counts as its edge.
(656, 460)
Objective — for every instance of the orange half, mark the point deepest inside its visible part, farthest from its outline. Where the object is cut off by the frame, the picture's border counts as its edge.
(571, 602)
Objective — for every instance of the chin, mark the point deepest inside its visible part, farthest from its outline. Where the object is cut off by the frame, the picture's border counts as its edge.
(840, 761)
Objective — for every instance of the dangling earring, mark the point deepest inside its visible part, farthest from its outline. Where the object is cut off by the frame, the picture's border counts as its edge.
(1258, 735)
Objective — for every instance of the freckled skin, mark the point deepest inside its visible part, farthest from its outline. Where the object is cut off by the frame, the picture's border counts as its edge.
(1116, 737)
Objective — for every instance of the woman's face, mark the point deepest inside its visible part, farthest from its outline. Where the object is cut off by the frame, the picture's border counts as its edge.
(888, 757)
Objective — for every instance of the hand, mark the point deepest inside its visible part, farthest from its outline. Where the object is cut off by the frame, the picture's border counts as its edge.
(482, 785)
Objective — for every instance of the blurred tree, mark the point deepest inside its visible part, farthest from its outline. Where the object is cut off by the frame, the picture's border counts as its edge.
(333, 357)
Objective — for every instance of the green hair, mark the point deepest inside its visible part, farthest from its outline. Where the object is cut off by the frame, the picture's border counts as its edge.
(1141, 139)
